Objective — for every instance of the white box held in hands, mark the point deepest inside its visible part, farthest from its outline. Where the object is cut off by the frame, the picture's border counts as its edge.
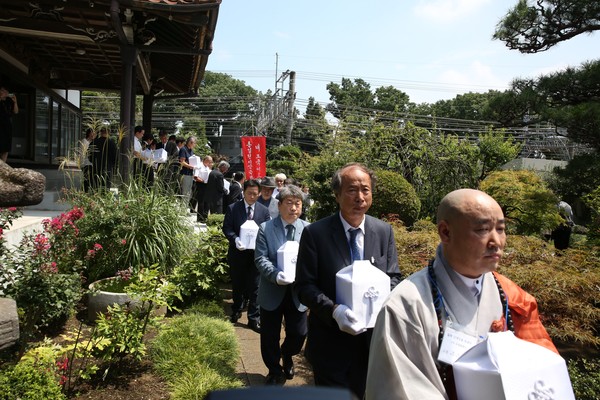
(248, 233)
(504, 367)
(194, 161)
(363, 288)
(202, 173)
(159, 155)
(287, 255)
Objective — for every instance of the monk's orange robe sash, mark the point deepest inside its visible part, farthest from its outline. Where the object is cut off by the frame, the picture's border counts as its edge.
(525, 315)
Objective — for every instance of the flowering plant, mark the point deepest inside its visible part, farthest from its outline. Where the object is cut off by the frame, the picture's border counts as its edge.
(131, 229)
(41, 273)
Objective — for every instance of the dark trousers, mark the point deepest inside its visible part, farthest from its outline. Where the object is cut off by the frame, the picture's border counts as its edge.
(270, 332)
(87, 177)
(354, 375)
(561, 237)
(200, 203)
(215, 207)
(244, 282)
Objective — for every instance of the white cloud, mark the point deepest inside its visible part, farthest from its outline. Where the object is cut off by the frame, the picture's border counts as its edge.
(447, 10)
(477, 77)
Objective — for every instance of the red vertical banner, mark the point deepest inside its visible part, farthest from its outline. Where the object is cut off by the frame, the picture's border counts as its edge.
(254, 150)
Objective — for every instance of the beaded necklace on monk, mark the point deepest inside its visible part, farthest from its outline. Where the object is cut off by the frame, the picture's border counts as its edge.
(445, 370)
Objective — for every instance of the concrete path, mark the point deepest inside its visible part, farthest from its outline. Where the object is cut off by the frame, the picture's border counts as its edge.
(251, 369)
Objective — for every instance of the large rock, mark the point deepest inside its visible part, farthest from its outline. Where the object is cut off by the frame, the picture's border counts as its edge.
(20, 186)
(9, 323)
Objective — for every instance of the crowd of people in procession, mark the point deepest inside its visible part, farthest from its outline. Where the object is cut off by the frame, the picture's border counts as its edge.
(398, 358)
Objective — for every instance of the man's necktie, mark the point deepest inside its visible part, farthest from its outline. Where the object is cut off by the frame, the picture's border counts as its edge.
(353, 244)
(291, 232)
(250, 215)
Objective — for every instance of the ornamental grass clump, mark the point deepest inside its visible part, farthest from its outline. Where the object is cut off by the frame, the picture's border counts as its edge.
(133, 228)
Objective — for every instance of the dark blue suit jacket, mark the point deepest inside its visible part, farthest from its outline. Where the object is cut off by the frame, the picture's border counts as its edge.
(324, 250)
(235, 216)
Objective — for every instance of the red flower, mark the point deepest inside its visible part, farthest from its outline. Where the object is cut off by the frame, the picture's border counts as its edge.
(97, 246)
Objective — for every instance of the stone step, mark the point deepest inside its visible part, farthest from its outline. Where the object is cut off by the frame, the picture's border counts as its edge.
(30, 222)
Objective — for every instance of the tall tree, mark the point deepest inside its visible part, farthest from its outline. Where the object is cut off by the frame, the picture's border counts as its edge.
(350, 97)
(534, 26)
(569, 99)
(310, 130)
(388, 98)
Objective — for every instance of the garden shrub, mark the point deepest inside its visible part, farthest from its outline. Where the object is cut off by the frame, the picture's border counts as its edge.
(43, 297)
(394, 195)
(29, 382)
(416, 247)
(215, 220)
(39, 375)
(317, 175)
(39, 273)
(529, 207)
(585, 378)
(592, 200)
(203, 265)
(210, 308)
(196, 354)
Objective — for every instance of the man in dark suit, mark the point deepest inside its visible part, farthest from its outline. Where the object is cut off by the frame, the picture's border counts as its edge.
(275, 296)
(337, 352)
(243, 272)
(235, 189)
(215, 189)
(104, 158)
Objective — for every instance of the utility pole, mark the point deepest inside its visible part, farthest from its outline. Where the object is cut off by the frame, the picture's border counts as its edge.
(276, 70)
(291, 95)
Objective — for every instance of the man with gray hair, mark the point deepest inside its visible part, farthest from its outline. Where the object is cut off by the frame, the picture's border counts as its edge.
(215, 189)
(275, 295)
(337, 351)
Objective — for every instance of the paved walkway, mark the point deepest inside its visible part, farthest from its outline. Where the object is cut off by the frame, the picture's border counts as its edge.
(251, 369)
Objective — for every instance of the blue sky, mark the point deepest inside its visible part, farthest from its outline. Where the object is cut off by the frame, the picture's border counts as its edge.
(430, 49)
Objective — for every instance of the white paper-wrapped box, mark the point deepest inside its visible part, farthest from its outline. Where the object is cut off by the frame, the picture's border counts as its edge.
(194, 161)
(147, 156)
(287, 255)
(159, 155)
(504, 367)
(363, 288)
(202, 173)
(248, 233)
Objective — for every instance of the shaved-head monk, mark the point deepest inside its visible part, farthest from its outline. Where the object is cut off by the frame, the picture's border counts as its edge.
(458, 295)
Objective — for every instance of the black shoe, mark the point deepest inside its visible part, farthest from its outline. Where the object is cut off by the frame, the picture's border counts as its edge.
(234, 317)
(254, 325)
(275, 379)
(288, 367)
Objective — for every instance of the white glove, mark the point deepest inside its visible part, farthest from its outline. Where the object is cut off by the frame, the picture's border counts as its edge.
(239, 245)
(281, 279)
(346, 320)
